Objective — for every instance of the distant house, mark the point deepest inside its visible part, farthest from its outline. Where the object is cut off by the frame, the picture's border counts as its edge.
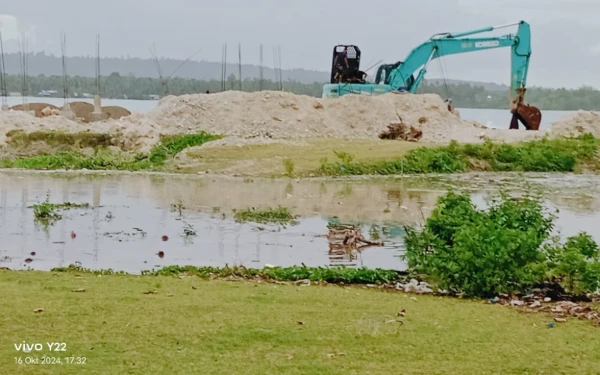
(47, 93)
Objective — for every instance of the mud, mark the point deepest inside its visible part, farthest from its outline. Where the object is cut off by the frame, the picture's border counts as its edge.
(130, 214)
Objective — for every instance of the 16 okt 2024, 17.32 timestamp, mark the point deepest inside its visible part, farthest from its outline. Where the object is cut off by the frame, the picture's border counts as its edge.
(49, 360)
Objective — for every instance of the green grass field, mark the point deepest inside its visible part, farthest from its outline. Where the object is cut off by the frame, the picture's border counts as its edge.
(193, 326)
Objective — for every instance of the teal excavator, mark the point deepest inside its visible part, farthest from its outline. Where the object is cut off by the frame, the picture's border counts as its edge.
(347, 78)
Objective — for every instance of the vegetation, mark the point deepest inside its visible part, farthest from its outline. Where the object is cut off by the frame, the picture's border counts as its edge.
(46, 212)
(320, 274)
(21, 139)
(544, 155)
(266, 160)
(155, 324)
(102, 158)
(507, 248)
(279, 215)
(464, 95)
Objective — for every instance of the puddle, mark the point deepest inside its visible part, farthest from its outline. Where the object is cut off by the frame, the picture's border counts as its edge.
(129, 215)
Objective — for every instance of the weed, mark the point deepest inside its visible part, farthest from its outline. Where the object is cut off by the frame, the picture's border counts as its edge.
(178, 207)
(272, 215)
(173, 144)
(328, 274)
(188, 230)
(46, 212)
(288, 164)
(544, 155)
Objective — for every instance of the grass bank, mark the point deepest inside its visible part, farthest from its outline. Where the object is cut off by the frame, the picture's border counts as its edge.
(66, 154)
(162, 324)
(545, 155)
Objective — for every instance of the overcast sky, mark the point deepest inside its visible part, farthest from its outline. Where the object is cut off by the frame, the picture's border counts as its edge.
(565, 43)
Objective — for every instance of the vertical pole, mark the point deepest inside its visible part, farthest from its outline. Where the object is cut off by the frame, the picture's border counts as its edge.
(240, 64)
(260, 82)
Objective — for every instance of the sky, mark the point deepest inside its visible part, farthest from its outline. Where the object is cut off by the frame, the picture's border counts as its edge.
(565, 44)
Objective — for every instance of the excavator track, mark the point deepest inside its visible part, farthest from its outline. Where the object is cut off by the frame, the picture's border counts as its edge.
(530, 117)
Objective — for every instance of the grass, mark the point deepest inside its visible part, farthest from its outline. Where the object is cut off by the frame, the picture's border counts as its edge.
(192, 326)
(297, 160)
(545, 155)
(46, 212)
(21, 139)
(102, 158)
(279, 215)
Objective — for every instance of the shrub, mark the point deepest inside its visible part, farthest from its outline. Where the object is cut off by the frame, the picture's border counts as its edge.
(504, 249)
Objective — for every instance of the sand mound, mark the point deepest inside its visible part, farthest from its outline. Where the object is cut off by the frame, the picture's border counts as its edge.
(285, 115)
(82, 110)
(115, 112)
(38, 108)
(577, 124)
(265, 116)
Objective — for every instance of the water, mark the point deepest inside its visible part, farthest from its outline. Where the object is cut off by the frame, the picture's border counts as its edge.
(130, 213)
(495, 118)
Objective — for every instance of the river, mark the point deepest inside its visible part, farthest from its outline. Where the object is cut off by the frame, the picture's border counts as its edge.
(129, 213)
(496, 118)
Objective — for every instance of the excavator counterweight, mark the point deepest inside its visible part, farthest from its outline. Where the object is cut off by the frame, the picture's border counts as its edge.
(400, 77)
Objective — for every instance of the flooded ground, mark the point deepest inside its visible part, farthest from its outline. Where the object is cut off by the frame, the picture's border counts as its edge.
(129, 214)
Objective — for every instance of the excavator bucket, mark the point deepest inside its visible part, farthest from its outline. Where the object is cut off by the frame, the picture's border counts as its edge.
(530, 117)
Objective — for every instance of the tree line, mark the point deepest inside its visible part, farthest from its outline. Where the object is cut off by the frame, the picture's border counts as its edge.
(464, 95)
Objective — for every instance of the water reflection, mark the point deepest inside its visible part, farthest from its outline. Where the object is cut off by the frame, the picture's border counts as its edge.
(129, 214)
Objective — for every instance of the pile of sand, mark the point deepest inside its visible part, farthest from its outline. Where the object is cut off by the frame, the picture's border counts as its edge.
(82, 110)
(281, 115)
(37, 108)
(577, 124)
(272, 115)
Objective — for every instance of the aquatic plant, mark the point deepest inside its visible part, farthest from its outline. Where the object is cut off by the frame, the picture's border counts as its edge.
(279, 215)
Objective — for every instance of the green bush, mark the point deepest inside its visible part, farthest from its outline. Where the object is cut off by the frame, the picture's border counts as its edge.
(506, 248)
(544, 155)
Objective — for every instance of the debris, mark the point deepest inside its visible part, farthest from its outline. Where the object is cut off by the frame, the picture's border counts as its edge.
(151, 292)
(516, 302)
(402, 313)
(560, 320)
(346, 242)
(39, 310)
(300, 322)
(414, 286)
(401, 131)
(81, 290)
(536, 304)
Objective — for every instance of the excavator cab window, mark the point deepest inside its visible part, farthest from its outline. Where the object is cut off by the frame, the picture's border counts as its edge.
(338, 67)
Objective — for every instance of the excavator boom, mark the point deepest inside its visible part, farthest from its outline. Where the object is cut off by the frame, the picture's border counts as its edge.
(400, 77)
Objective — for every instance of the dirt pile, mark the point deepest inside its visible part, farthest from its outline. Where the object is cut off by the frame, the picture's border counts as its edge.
(577, 124)
(128, 138)
(277, 115)
(38, 108)
(269, 116)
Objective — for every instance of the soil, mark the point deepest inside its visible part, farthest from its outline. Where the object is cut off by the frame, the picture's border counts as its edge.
(268, 116)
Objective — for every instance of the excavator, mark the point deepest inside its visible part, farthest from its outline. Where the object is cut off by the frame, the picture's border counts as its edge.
(347, 78)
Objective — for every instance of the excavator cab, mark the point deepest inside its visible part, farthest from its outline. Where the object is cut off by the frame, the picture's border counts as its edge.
(384, 71)
(343, 74)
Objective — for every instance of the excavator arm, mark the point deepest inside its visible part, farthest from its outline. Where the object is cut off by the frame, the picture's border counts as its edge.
(402, 76)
